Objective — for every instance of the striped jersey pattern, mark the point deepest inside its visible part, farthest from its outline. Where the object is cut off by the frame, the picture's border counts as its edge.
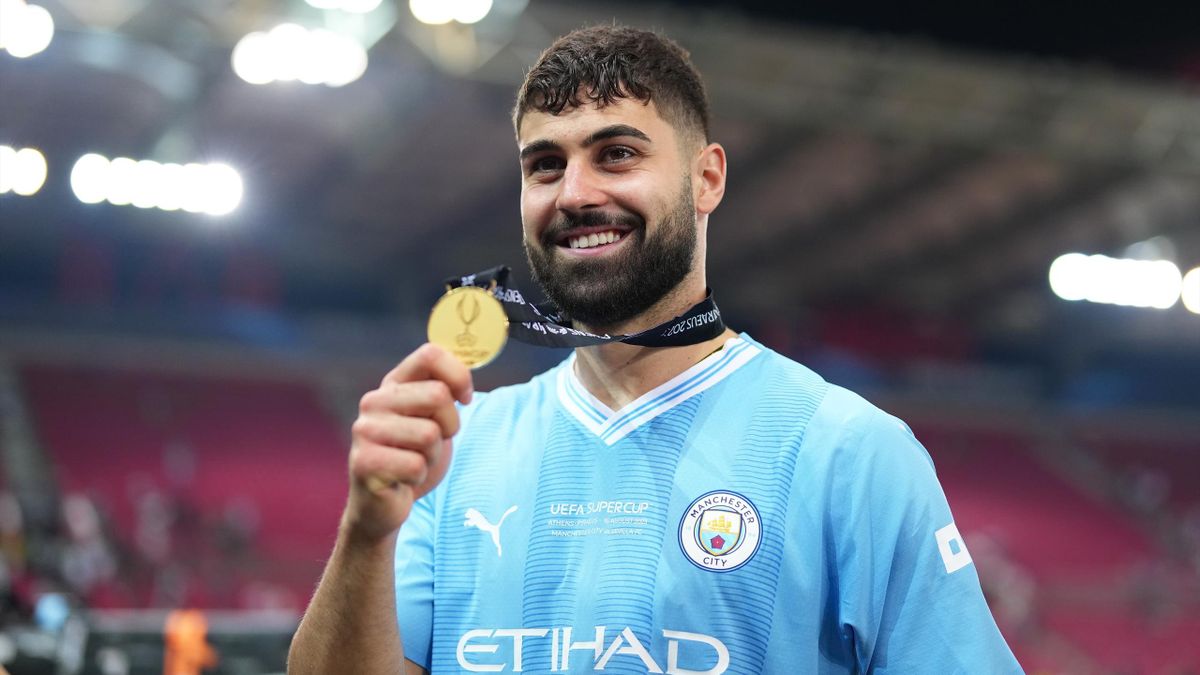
(744, 517)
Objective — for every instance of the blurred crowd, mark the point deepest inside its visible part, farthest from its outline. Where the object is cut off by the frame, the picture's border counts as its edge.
(174, 556)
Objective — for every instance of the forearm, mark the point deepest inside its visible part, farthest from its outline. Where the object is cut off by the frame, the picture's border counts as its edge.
(350, 625)
(399, 451)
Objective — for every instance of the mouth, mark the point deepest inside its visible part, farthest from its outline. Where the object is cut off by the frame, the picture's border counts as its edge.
(592, 240)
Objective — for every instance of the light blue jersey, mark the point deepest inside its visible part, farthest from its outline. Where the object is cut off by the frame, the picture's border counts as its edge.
(745, 517)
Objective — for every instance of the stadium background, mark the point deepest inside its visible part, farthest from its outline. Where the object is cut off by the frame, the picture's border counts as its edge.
(181, 351)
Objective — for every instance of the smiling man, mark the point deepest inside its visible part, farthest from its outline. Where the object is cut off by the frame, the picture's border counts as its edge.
(704, 507)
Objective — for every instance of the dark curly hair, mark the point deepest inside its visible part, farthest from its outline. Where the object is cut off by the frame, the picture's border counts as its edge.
(602, 64)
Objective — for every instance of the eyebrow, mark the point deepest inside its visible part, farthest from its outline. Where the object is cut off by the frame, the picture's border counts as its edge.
(611, 131)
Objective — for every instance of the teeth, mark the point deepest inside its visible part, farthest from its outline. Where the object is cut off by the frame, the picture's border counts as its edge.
(590, 240)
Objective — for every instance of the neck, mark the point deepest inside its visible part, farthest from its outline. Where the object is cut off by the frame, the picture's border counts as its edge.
(618, 373)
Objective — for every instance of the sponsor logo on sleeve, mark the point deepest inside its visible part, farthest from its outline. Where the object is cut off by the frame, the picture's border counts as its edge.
(953, 549)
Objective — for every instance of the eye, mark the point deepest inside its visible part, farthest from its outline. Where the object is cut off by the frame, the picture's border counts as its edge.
(545, 164)
(617, 153)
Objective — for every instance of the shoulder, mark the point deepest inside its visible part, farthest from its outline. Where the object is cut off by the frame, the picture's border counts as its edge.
(770, 374)
(851, 418)
(869, 435)
(860, 420)
(846, 433)
(873, 457)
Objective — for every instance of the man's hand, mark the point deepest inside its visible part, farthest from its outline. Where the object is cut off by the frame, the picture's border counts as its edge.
(400, 447)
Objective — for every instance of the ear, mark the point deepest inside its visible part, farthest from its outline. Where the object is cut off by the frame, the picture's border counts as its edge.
(709, 178)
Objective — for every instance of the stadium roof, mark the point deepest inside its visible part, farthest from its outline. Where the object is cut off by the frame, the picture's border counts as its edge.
(926, 164)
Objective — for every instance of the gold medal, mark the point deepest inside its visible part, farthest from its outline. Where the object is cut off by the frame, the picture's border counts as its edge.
(470, 323)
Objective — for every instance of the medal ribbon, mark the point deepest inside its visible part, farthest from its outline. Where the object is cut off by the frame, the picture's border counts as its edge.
(543, 324)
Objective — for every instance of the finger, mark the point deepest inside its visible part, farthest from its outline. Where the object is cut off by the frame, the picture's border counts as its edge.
(406, 433)
(428, 398)
(439, 464)
(430, 361)
(406, 398)
(379, 468)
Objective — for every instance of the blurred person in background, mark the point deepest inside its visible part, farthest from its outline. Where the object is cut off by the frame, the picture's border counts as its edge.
(88, 562)
(14, 601)
(709, 507)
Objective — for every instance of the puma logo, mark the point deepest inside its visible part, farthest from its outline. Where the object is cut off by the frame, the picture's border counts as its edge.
(476, 519)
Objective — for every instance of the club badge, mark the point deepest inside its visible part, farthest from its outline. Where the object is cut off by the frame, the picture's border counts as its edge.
(720, 531)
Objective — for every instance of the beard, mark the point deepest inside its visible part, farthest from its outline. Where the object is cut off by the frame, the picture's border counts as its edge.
(603, 293)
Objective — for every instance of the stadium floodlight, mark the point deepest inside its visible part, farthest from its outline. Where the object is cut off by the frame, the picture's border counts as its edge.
(360, 6)
(251, 60)
(438, 12)
(25, 29)
(222, 189)
(472, 11)
(89, 178)
(22, 172)
(432, 12)
(31, 172)
(352, 6)
(146, 184)
(213, 189)
(289, 52)
(172, 188)
(1116, 281)
(1190, 290)
(1068, 276)
(122, 181)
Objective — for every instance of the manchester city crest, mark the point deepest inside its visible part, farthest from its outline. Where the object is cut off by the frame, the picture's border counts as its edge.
(720, 531)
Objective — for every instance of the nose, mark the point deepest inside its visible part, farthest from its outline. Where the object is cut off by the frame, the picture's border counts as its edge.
(580, 189)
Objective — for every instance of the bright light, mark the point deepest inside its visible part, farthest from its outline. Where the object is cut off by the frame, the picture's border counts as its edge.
(1068, 276)
(289, 52)
(122, 181)
(89, 178)
(472, 11)
(25, 29)
(172, 190)
(222, 189)
(360, 6)
(1191, 290)
(11, 14)
(438, 12)
(22, 172)
(215, 189)
(252, 59)
(194, 200)
(354, 6)
(433, 12)
(342, 62)
(1116, 281)
(1163, 283)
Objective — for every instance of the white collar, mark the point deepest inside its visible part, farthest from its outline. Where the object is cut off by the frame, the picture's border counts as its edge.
(611, 426)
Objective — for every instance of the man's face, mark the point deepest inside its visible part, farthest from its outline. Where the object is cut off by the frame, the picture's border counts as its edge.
(607, 209)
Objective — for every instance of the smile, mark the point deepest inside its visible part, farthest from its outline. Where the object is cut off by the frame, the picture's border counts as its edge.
(595, 239)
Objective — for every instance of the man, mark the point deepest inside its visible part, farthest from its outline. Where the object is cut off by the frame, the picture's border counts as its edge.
(706, 508)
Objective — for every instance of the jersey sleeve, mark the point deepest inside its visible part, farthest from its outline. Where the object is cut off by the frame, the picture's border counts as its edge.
(414, 580)
(910, 598)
